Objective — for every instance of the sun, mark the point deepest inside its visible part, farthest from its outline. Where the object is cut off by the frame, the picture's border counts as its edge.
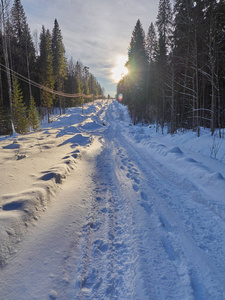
(120, 70)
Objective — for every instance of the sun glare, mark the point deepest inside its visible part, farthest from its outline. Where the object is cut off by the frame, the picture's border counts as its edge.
(120, 70)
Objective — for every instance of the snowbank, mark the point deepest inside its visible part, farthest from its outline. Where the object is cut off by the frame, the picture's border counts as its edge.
(34, 165)
(200, 159)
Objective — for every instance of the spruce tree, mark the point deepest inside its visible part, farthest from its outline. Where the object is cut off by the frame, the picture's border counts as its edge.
(59, 59)
(79, 82)
(137, 71)
(151, 43)
(92, 84)
(47, 78)
(20, 120)
(5, 52)
(85, 80)
(33, 116)
(151, 50)
(22, 47)
(164, 24)
(164, 21)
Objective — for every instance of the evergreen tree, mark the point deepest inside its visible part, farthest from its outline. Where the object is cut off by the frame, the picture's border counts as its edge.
(33, 116)
(152, 50)
(164, 23)
(59, 59)
(151, 43)
(5, 54)
(46, 69)
(20, 120)
(70, 82)
(79, 82)
(22, 47)
(91, 84)
(186, 77)
(85, 80)
(137, 71)
(182, 37)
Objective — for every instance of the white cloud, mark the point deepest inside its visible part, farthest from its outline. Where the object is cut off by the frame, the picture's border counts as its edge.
(94, 31)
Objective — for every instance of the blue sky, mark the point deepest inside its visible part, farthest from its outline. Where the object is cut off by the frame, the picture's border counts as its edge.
(96, 32)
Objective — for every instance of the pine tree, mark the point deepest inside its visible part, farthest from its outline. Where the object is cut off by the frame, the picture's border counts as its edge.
(20, 120)
(33, 116)
(59, 59)
(46, 69)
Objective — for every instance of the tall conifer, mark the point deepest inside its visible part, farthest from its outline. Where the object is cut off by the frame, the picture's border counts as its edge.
(22, 47)
(137, 67)
(33, 116)
(19, 109)
(164, 23)
(46, 69)
(59, 59)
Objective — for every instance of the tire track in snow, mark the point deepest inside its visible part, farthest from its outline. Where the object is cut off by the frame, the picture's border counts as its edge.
(173, 205)
(145, 237)
(178, 249)
(150, 242)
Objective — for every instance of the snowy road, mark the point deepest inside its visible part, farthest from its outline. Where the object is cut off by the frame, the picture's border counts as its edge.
(123, 226)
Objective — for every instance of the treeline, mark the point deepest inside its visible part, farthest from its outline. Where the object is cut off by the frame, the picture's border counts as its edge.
(177, 73)
(30, 65)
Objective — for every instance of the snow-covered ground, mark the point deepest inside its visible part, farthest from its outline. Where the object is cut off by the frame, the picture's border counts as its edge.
(93, 207)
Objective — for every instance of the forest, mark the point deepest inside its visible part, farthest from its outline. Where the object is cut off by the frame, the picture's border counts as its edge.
(176, 72)
(33, 66)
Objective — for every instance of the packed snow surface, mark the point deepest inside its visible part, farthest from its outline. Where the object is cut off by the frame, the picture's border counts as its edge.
(93, 207)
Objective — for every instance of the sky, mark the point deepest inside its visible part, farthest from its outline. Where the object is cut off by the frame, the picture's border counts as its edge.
(96, 32)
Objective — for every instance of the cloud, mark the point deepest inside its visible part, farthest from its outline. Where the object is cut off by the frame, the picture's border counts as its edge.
(94, 31)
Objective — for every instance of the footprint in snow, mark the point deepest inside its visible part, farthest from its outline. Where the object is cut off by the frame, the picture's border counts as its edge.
(90, 279)
(136, 180)
(53, 295)
(135, 187)
(147, 207)
(94, 225)
(102, 247)
(144, 196)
